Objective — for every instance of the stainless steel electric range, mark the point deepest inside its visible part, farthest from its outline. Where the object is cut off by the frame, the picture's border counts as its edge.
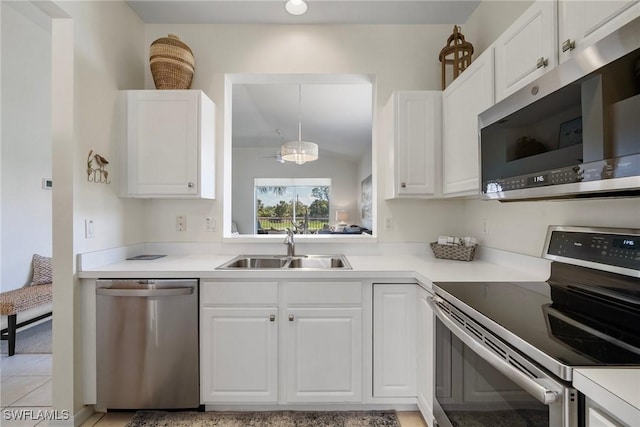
(505, 351)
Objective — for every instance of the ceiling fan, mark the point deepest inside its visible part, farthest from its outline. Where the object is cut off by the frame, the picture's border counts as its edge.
(277, 156)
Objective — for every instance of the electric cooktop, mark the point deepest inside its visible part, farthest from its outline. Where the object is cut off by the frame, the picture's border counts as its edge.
(586, 314)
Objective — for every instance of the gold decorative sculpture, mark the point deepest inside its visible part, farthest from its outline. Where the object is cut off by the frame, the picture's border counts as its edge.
(457, 53)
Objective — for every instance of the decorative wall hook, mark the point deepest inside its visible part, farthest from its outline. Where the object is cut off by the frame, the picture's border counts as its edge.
(99, 174)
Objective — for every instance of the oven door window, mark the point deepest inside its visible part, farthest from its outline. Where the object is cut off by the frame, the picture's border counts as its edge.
(471, 392)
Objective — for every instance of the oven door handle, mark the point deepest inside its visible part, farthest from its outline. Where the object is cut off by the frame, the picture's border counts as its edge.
(546, 390)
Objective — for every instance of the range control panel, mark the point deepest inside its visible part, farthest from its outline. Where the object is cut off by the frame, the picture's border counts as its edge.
(622, 250)
(595, 171)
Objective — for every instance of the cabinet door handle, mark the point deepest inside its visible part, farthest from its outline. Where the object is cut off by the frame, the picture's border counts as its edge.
(291, 318)
(403, 184)
(542, 62)
(190, 184)
(272, 318)
(568, 45)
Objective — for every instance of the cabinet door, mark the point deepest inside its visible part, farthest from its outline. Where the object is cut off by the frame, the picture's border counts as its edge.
(527, 49)
(394, 340)
(597, 416)
(582, 23)
(415, 132)
(324, 355)
(239, 355)
(169, 148)
(466, 97)
(425, 369)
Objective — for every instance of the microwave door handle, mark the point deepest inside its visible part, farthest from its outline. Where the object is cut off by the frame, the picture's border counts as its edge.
(542, 389)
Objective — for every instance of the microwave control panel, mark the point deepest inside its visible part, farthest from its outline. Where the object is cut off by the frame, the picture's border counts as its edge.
(594, 171)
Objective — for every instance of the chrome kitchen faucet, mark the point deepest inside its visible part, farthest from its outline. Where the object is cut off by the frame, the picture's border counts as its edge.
(291, 244)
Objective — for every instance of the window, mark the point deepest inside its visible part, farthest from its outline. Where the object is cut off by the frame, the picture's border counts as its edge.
(299, 203)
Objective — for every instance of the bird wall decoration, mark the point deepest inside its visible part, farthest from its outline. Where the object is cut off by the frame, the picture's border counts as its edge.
(98, 174)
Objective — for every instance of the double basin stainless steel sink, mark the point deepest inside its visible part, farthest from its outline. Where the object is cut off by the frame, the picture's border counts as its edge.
(270, 262)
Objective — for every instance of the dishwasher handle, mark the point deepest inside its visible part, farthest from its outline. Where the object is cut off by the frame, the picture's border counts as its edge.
(166, 292)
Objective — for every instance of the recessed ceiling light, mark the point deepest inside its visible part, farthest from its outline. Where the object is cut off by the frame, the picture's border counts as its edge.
(296, 7)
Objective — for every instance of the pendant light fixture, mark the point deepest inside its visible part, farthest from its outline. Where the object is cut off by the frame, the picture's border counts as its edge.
(299, 151)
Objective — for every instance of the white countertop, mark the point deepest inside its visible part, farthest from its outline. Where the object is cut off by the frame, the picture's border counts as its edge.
(615, 389)
(421, 268)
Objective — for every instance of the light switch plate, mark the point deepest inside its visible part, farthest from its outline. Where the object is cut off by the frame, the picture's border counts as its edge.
(89, 231)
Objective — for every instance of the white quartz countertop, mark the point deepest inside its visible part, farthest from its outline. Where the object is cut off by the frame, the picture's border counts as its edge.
(421, 268)
(615, 389)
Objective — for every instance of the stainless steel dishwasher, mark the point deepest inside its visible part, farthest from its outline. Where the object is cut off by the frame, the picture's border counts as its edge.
(147, 344)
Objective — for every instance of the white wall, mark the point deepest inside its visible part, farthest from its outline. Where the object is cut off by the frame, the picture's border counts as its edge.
(251, 163)
(400, 57)
(521, 226)
(26, 141)
(110, 56)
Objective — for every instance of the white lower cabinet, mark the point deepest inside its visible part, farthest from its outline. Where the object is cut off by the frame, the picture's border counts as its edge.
(249, 354)
(324, 354)
(425, 370)
(597, 416)
(394, 340)
(240, 346)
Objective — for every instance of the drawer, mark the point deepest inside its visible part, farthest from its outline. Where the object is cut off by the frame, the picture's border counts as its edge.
(324, 293)
(238, 293)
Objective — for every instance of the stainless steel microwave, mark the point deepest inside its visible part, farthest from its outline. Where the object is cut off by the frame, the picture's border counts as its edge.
(574, 132)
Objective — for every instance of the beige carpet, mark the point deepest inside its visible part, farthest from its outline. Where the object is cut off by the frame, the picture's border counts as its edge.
(266, 419)
(34, 340)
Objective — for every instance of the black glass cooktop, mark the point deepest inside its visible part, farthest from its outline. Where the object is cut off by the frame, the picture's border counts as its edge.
(565, 322)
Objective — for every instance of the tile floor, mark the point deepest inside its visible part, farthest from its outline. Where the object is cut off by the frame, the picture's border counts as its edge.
(26, 386)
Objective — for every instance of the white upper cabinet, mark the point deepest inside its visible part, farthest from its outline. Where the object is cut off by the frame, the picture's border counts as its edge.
(527, 49)
(169, 144)
(582, 23)
(466, 97)
(412, 130)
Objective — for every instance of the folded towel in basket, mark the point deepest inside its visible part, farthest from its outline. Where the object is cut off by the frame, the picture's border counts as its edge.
(456, 241)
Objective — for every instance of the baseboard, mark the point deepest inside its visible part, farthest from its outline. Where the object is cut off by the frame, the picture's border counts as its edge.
(62, 418)
(426, 412)
(312, 407)
(82, 415)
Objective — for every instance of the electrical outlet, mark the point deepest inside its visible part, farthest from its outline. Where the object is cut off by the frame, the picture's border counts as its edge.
(209, 223)
(485, 226)
(181, 223)
(388, 223)
(89, 232)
